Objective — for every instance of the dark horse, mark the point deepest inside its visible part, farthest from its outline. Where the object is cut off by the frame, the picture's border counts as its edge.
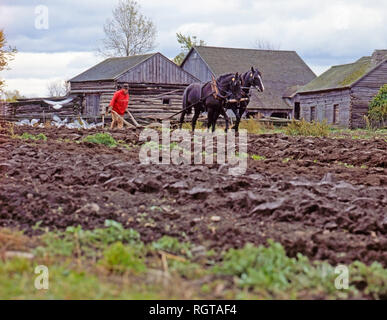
(252, 78)
(211, 97)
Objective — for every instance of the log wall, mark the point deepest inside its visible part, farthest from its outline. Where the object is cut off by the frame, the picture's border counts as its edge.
(363, 92)
(37, 109)
(324, 104)
(92, 87)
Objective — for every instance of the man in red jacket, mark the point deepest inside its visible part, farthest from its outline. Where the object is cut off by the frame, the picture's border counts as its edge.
(119, 104)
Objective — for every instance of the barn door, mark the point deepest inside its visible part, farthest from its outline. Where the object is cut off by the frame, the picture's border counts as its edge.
(92, 105)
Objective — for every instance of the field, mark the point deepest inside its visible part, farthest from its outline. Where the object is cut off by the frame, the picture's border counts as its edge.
(108, 226)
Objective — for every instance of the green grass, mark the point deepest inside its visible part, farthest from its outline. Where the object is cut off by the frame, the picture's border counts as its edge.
(269, 270)
(173, 245)
(258, 158)
(88, 243)
(101, 138)
(113, 263)
(66, 281)
(357, 134)
(119, 258)
(27, 136)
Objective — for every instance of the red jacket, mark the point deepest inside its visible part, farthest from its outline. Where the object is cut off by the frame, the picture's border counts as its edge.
(120, 102)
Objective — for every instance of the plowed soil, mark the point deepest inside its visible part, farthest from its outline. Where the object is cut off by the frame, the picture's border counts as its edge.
(325, 198)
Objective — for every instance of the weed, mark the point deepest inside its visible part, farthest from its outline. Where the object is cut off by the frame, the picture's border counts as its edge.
(173, 245)
(101, 138)
(258, 158)
(348, 166)
(252, 126)
(199, 125)
(270, 268)
(304, 128)
(374, 276)
(88, 241)
(118, 258)
(27, 136)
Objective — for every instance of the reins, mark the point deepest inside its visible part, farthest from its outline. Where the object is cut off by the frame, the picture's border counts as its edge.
(201, 100)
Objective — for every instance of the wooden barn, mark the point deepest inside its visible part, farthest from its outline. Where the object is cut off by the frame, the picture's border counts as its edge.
(342, 94)
(283, 73)
(156, 85)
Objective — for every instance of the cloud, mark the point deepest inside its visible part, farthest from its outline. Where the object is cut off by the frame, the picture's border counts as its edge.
(31, 72)
(323, 33)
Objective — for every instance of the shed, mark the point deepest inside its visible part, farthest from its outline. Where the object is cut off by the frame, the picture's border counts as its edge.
(342, 94)
(156, 84)
(281, 71)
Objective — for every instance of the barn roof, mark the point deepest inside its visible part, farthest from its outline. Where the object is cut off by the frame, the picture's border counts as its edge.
(280, 70)
(111, 68)
(345, 75)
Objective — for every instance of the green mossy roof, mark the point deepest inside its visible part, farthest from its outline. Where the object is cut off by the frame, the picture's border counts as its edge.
(341, 76)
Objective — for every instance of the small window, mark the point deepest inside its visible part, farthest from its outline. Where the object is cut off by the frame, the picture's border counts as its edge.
(312, 113)
(336, 113)
(166, 101)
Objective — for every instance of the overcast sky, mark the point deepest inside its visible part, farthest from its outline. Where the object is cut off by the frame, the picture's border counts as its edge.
(324, 33)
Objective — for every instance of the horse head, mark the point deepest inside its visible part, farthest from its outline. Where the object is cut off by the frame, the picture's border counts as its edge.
(236, 87)
(254, 79)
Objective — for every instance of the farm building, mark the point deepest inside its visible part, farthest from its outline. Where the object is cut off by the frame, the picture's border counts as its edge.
(156, 84)
(342, 94)
(156, 87)
(282, 71)
(41, 108)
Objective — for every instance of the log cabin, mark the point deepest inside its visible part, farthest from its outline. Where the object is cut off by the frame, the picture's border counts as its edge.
(156, 85)
(341, 95)
(283, 72)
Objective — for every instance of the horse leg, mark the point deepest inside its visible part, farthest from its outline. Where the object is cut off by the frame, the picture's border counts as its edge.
(235, 110)
(214, 120)
(182, 119)
(225, 116)
(241, 112)
(210, 118)
(195, 118)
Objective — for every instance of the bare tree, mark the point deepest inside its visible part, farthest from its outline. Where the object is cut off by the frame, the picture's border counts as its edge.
(58, 88)
(266, 45)
(128, 33)
(12, 96)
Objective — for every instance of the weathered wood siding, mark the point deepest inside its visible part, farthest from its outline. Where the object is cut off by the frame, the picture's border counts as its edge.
(363, 92)
(195, 65)
(92, 87)
(157, 70)
(5, 109)
(325, 102)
